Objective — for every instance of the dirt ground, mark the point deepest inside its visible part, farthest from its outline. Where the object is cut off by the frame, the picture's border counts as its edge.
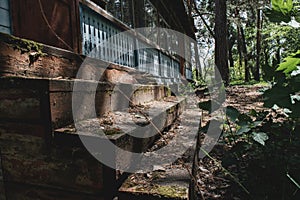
(214, 180)
(233, 172)
(259, 172)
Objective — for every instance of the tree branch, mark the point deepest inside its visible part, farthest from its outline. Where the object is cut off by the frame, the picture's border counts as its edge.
(203, 20)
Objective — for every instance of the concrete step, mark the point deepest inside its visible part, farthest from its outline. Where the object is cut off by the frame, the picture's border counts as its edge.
(57, 162)
(123, 129)
(171, 181)
(133, 129)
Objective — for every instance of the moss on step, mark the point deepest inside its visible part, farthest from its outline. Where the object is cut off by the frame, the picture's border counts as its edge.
(24, 46)
(164, 191)
(21, 44)
(112, 131)
(171, 191)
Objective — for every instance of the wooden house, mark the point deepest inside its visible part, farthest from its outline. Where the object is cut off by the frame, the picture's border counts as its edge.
(82, 25)
(42, 45)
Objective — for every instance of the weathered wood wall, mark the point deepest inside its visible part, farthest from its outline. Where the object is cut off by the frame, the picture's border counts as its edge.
(35, 99)
(61, 15)
(35, 167)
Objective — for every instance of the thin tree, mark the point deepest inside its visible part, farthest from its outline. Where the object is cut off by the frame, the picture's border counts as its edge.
(221, 49)
(258, 44)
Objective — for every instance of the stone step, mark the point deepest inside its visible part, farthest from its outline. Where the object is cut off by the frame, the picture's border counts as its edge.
(133, 129)
(124, 130)
(171, 181)
(42, 97)
(30, 108)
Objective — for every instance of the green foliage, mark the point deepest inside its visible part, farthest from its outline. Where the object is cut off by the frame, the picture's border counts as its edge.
(290, 63)
(242, 126)
(281, 11)
(232, 113)
(260, 137)
(286, 89)
(283, 6)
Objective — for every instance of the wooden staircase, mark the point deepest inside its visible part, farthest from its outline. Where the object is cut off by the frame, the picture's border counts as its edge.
(43, 156)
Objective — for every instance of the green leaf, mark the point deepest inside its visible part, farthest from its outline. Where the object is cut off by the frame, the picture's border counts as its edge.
(290, 63)
(244, 120)
(281, 11)
(277, 17)
(279, 95)
(257, 123)
(243, 129)
(232, 113)
(260, 137)
(283, 6)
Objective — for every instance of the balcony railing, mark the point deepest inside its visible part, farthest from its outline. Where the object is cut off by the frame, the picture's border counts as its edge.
(5, 24)
(98, 41)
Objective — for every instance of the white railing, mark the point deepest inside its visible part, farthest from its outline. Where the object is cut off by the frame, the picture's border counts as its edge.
(5, 23)
(98, 42)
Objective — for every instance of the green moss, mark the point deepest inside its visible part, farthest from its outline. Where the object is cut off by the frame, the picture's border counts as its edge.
(24, 46)
(113, 131)
(168, 91)
(172, 191)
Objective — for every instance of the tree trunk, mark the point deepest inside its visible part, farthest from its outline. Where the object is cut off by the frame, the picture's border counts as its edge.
(198, 64)
(221, 49)
(230, 54)
(239, 41)
(245, 55)
(258, 45)
(239, 48)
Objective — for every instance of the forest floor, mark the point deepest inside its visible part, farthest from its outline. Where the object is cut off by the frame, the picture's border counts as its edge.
(239, 170)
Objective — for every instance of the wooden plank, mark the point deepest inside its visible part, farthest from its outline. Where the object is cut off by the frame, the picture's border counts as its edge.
(61, 105)
(23, 128)
(28, 145)
(19, 104)
(64, 172)
(14, 60)
(38, 192)
(62, 15)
